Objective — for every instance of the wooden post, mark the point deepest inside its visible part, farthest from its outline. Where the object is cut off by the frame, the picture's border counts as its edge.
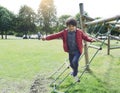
(108, 48)
(82, 22)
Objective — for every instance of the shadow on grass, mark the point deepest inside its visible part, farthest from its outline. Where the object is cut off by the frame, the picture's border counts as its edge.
(96, 84)
(80, 87)
(95, 77)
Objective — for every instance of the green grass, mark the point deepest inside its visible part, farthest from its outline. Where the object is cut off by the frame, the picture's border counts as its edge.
(22, 60)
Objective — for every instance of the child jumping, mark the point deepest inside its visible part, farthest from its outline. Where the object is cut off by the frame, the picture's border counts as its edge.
(72, 43)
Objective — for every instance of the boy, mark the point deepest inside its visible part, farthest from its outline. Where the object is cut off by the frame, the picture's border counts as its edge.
(72, 43)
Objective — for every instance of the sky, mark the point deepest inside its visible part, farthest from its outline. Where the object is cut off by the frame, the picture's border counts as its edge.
(94, 8)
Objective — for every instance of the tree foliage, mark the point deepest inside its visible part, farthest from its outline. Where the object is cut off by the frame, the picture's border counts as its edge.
(45, 21)
(47, 15)
(6, 18)
(26, 20)
(62, 21)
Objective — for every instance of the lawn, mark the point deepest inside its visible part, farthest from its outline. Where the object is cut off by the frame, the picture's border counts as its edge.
(21, 61)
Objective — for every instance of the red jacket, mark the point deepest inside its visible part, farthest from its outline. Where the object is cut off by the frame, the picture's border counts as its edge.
(80, 35)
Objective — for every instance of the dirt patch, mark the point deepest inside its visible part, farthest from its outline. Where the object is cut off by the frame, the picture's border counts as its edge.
(40, 85)
(14, 86)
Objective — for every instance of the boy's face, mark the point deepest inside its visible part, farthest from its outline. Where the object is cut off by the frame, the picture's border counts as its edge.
(71, 27)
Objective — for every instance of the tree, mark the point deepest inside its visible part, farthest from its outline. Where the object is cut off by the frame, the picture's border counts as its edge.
(61, 21)
(6, 18)
(26, 20)
(77, 17)
(47, 15)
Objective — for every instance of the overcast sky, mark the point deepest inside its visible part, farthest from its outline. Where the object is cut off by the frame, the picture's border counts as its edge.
(94, 8)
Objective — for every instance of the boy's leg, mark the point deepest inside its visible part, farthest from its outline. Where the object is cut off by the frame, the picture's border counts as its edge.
(75, 63)
(71, 56)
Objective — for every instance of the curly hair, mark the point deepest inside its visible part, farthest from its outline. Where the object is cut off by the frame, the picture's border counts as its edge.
(71, 21)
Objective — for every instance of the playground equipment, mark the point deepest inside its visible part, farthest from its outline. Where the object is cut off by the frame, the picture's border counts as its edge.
(91, 26)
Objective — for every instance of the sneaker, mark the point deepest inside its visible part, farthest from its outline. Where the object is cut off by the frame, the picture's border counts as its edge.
(71, 73)
(77, 79)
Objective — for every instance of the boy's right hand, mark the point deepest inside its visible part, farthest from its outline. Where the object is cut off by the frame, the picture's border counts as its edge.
(43, 38)
(93, 40)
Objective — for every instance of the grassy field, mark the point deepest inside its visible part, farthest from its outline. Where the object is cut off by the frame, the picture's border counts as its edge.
(21, 61)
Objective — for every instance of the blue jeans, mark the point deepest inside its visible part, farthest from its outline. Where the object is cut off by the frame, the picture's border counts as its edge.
(74, 59)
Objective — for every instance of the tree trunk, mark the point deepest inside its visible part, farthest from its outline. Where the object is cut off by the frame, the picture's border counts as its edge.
(2, 35)
(5, 34)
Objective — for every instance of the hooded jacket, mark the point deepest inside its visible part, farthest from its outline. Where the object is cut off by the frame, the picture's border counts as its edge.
(80, 36)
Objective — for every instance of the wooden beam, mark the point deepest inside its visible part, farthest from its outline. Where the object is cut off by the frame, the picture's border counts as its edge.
(102, 20)
(117, 28)
(98, 40)
(88, 18)
(115, 37)
(95, 47)
(113, 22)
(115, 47)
